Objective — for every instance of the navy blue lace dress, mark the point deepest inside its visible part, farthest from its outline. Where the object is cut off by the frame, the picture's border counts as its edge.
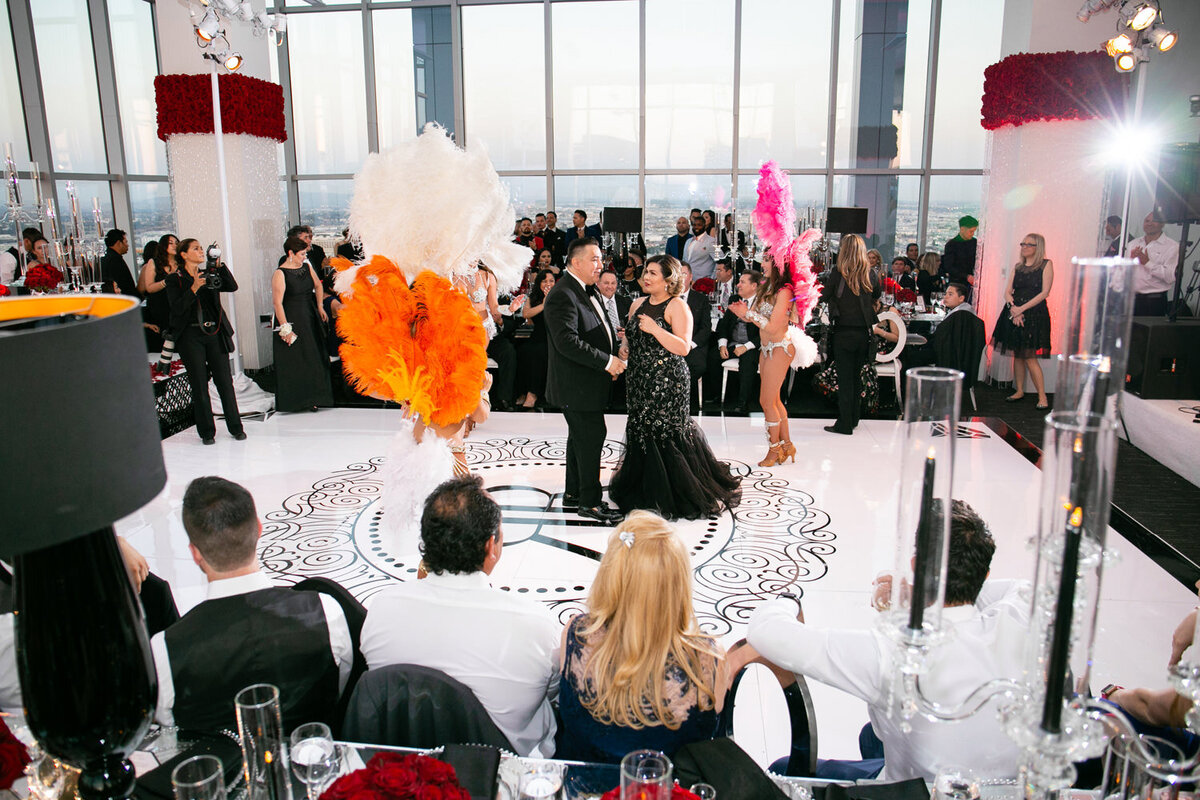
(1031, 339)
(668, 466)
(585, 738)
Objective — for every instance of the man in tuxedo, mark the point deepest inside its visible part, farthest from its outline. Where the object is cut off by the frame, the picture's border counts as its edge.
(903, 271)
(248, 630)
(676, 242)
(114, 272)
(726, 285)
(579, 374)
(697, 358)
(736, 339)
(581, 230)
(1112, 231)
(555, 239)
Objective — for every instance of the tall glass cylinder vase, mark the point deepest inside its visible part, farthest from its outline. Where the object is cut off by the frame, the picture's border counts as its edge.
(913, 615)
(1094, 338)
(1077, 473)
(264, 755)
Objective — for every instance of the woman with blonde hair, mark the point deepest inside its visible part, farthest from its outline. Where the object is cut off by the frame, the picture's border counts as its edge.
(927, 270)
(772, 311)
(636, 670)
(1023, 329)
(851, 291)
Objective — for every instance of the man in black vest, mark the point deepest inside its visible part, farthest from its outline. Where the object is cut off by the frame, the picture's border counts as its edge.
(10, 259)
(736, 339)
(580, 371)
(114, 272)
(248, 630)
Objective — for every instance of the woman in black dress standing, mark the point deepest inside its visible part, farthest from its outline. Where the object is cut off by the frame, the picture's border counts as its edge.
(1023, 329)
(205, 337)
(851, 291)
(533, 354)
(301, 359)
(668, 466)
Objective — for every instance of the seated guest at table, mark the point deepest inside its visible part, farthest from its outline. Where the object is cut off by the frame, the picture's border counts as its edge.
(956, 342)
(726, 290)
(738, 339)
(875, 262)
(502, 646)
(885, 329)
(532, 354)
(248, 630)
(205, 339)
(544, 260)
(682, 234)
(636, 670)
(912, 251)
(628, 285)
(991, 620)
(114, 272)
(902, 271)
(927, 270)
(10, 259)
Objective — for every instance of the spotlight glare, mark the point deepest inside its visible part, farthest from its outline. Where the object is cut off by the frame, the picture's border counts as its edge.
(1126, 62)
(1120, 43)
(1131, 146)
(233, 62)
(1143, 16)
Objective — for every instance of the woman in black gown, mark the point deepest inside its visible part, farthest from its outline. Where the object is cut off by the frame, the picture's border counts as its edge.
(533, 353)
(301, 361)
(668, 466)
(1023, 329)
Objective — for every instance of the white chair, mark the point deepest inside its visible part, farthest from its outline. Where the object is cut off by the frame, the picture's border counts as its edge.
(727, 366)
(889, 363)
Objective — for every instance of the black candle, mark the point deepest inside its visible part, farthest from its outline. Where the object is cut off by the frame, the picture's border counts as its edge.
(924, 555)
(1100, 391)
(1060, 643)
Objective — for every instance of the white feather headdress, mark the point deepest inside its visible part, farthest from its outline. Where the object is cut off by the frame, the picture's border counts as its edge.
(428, 204)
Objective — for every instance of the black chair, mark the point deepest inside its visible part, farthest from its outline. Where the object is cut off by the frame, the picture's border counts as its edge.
(355, 615)
(404, 705)
(802, 762)
(958, 344)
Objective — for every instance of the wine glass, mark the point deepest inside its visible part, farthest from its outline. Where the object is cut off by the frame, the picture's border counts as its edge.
(704, 791)
(314, 755)
(542, 780)
(199, 778)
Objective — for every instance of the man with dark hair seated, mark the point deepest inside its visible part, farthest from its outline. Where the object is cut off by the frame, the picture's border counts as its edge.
(990, 620)
(248, 630)
(502, 646)
(736, 339)
(958, 341)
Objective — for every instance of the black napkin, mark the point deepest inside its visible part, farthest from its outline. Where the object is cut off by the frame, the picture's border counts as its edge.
(727, 768)
(912, 789)
(476, 767)
(156, 784)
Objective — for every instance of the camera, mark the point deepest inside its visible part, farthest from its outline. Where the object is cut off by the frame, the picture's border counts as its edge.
(212, 265)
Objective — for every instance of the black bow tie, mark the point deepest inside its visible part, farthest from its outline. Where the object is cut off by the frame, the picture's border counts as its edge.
(593, 291)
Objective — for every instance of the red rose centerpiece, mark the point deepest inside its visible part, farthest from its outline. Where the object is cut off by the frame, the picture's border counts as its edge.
(395, 776)
(43, 278)
(705, 286)
(13, 756)
(901, 294)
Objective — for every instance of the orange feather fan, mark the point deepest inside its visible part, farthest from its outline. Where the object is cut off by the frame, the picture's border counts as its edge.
(422, 345)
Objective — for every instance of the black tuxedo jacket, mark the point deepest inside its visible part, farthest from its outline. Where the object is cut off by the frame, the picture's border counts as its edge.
(579, 349)
(594, 231)
(701, 310)
(113, 269)
(725, 330)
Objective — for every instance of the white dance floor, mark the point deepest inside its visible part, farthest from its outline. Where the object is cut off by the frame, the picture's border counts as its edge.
(825, 524)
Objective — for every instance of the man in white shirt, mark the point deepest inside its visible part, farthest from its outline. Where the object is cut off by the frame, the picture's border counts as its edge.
(10, 259)
(1157, 256)
(248, 630)
(502, 646)
(726, 289)
(990, 620)
(698, 251)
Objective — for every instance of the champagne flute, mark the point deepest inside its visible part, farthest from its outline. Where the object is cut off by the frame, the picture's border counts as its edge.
(313, 755)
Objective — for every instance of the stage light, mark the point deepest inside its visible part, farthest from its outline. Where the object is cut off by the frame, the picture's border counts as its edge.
(209, 27)
(1130, 145)
(232, 61)
(1121, 43)
(1143, 14)
(1126, 62)
(1162, 38)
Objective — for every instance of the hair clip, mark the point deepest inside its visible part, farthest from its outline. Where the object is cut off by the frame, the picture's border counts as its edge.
(627, 538)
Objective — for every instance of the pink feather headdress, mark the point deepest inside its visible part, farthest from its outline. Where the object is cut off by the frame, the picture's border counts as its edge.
(775, 220)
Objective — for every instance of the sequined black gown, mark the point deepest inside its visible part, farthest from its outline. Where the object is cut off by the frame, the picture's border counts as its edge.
(668, 466)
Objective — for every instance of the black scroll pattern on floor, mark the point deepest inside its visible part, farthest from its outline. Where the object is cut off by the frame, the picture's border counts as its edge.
(776, 539)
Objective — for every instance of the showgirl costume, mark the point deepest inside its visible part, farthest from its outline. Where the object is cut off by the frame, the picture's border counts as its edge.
(421, 343)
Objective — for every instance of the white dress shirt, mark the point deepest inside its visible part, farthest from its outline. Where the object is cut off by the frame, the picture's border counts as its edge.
(988, 643)
(502, 646)
(1158, 273)
(724, 293)
(698, 253)
(612, 334)
(340, 643)
(10, 685)
(8, 265)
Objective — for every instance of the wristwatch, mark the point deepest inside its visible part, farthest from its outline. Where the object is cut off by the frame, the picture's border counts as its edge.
(794, 598)
(1108, 691)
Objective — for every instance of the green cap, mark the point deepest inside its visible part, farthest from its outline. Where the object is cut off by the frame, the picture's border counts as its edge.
(968, 222)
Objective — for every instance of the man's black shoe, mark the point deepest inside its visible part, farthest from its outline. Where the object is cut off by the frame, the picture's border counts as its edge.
(741, 410)
(208, 440)
(570, 501)
(602, 513)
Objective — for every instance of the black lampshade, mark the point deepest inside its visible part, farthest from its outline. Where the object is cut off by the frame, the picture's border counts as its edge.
(79, 443)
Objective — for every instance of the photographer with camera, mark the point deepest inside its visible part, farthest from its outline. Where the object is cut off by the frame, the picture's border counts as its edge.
(205, 336)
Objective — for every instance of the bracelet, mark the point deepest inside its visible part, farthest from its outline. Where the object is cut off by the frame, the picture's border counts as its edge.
(1108, 691)
(757, 318)
(285, 330)
(794, 597)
